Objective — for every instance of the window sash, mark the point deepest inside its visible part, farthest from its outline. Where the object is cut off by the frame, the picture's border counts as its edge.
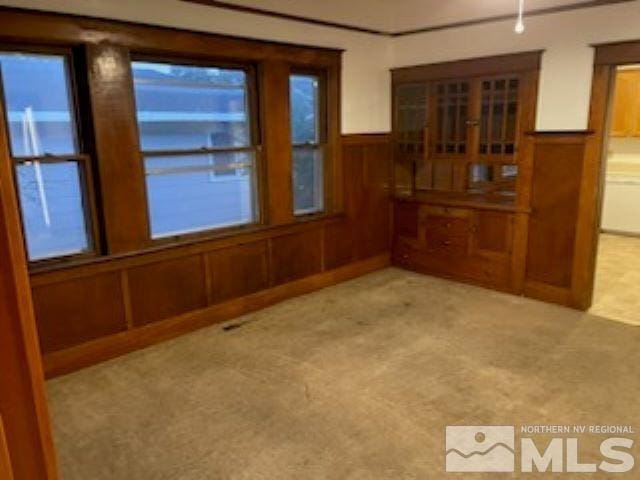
(83, 163)
(251, 165)
(319, 161)
(317, 144)
(71, 95)
(77, 155)
(250, 101)
(251, 148)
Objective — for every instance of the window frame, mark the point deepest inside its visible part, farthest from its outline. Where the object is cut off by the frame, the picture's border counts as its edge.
(255, 144)
(83, 157)
(322, 144)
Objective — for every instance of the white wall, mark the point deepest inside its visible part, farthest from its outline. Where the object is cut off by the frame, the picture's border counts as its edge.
(567, 63)
(366, 100)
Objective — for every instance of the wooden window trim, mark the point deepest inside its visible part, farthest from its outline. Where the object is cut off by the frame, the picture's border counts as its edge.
(27, 25)
(83, 155)
(119, 210)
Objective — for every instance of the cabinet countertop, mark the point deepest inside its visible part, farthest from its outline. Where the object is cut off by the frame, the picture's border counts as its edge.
(503, 203)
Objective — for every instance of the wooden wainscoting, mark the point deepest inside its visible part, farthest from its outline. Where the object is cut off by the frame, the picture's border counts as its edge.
(553, 259)
(103, 308)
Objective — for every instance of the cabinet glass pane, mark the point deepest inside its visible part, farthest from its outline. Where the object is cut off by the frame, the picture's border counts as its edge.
(492, 178)
(452, 111)
(411, 117)
(498, 116)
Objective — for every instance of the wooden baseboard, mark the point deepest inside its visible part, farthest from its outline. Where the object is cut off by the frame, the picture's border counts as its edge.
(75, 358)
(548, 293)
(456, 278)
(620, 233)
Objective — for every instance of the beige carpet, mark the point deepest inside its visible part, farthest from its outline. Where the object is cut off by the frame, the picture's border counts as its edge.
(357, 381)
(617, 287)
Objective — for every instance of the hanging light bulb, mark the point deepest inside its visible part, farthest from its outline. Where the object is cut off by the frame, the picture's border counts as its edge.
(520, 23)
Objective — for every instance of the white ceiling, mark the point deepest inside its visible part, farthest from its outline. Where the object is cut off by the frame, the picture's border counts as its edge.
(398, 15)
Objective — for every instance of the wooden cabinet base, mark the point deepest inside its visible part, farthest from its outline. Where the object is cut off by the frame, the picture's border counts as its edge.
(105, 348)
(474, 246)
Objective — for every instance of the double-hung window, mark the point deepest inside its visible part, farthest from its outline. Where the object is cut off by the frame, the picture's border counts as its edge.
(306, 94)
(198, 146)
(50, 168)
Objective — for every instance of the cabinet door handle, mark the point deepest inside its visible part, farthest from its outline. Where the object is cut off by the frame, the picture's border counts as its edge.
(446, 243)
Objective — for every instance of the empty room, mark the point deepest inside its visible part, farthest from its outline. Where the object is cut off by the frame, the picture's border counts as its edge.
(339, 239)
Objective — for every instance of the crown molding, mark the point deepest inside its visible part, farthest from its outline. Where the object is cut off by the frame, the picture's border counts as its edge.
(402, 33)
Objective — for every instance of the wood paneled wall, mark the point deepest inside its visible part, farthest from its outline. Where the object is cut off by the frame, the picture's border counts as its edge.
(88, 313)
(553, 262)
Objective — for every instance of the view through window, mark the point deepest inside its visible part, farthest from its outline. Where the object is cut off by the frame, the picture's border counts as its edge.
(45, 151)
(198, 147)
(307, 138)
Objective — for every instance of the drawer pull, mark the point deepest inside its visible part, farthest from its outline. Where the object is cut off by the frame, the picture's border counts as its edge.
(446, 243)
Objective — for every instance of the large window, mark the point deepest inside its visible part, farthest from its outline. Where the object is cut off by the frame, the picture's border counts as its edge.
(307, 135)
(198, 146)
(49, 166)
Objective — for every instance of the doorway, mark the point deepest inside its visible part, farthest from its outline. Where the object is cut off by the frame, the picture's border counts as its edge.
(616, 294)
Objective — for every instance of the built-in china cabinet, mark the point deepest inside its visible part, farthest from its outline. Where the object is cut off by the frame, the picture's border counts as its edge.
(461, 180)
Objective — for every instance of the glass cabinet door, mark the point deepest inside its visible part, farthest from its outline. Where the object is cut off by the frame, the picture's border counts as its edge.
(411, 117)
(498, 117)
(411, 112)
(452, 116)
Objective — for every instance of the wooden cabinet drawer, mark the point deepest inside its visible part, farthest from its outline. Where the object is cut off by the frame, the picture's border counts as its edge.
(447, 244)
(449, 226)
(458, 243)
(487, 272)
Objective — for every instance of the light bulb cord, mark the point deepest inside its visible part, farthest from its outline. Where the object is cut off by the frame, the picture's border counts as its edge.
(520, 22)
(520, 8)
